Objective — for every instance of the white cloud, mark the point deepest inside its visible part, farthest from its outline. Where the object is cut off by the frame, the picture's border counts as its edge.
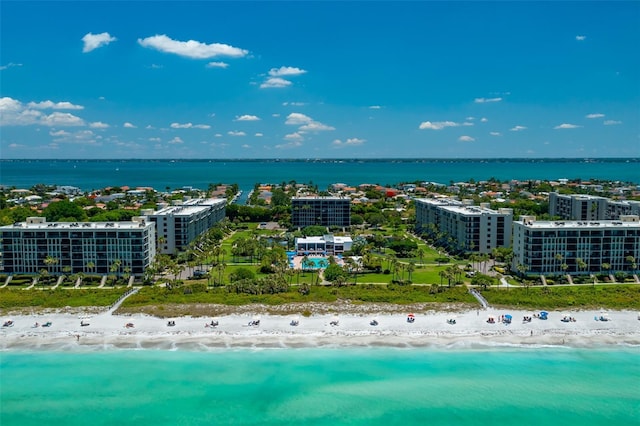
(611, 122)
(437, 125)
(466, 138)
(293, 104)
(98, 125)
(375, 107)
(176, 140)
(581, 37)
(247, 117)
(59, 133)
(349, 142)
(315, 126)
(484, 120)
(218, 135)
(566, 126)
(495, 133)
(83, 137)
(191, 49)
(517, 128)
(297, 118)
(306, 123)
(154, 139)
(189, 126)
(275, 115)
(128, 126)
(61, 119)
(236, 133)
(259, 135)
(156, 66)
(286, 71)
(53, 105)
(294, 137)
(467, 123)
(486, 100)
(245, 146)
(94, 41)
(275, 82)
(217, 65)
(594, 115)
(9, 65)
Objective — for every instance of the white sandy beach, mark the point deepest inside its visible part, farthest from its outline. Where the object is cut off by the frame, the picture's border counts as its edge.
(430, 329)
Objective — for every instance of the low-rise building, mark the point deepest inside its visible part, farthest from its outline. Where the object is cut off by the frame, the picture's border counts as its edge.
(78, 247)
(575, 247)
(328, 245)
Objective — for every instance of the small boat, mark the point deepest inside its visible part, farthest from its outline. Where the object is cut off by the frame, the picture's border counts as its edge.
(411, 318)
(83, 323)
(334, 321)
(47, 324)
(294, 322)
(374, 322)
(8, 323)
(129, 325)
(171, 323)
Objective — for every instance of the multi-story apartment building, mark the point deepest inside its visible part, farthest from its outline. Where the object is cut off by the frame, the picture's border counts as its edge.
(324, 211)
(79, 247)
(462, 227)
(575, 247)
(178, 225)
(589, 207)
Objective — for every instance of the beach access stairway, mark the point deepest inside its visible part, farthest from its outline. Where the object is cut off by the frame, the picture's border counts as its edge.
(479, 298)
(122, 298)
(7, 281)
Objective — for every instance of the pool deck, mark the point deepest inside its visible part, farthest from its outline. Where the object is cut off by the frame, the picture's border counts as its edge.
(297, 260)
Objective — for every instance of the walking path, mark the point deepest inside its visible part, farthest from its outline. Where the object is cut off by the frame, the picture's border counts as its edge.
(122, 298)
(479, 298)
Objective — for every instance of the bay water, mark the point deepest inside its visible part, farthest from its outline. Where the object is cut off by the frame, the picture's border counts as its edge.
(170, 174)
(323, 386)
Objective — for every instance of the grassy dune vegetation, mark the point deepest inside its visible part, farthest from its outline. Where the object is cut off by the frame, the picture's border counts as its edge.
(598, 297)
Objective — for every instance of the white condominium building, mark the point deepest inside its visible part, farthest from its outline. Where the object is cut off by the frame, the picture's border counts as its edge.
(463, 227)
(576, 247)
(589, 207)
(177, 226)
(78, 247)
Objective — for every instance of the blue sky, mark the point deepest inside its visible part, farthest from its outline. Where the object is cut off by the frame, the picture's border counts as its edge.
(319, 79)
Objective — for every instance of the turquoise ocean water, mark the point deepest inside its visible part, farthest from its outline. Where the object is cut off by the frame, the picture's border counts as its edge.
(327, 386)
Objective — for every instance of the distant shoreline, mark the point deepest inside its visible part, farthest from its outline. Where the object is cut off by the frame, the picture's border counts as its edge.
(346, 160)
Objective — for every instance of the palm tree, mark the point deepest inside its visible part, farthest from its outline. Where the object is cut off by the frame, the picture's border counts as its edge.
(114, 269)
(582, 265)
(90, 266)
(49, 261)
(410, 268)
(443, 274)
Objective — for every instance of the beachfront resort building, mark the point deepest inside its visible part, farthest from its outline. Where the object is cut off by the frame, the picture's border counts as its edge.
(78, 247)
(463, 227)
(589, 207)
(576, 247)
(326, 245)
(323, 211)
(178, 225)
